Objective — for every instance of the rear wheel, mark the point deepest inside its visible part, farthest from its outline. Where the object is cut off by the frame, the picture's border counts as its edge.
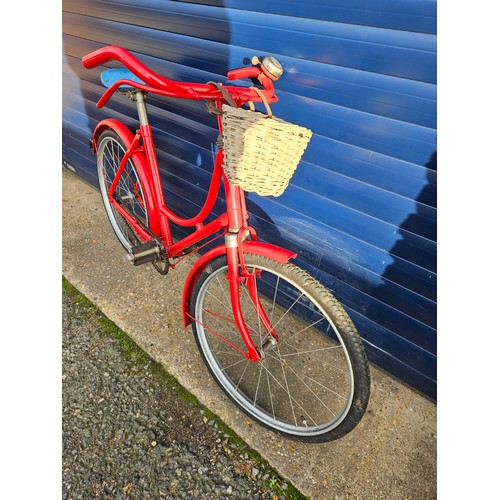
(313, 384)
(129, 191)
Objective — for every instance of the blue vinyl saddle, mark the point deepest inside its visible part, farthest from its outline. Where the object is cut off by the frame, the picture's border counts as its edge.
(111, 76)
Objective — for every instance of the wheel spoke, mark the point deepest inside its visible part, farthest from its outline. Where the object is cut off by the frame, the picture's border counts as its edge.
(290, 397)
(274, 298)
(319, 360)
(301, 379)
(303, 384)
(288, 310)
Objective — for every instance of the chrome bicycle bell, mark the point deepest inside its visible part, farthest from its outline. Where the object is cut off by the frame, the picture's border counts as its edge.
(270, 66)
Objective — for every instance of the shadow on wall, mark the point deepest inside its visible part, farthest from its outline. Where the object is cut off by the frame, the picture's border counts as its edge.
(413, 223)
(422, 222)
(415, 319)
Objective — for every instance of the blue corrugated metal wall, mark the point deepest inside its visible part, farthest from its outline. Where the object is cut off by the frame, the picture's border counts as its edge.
(361, 209)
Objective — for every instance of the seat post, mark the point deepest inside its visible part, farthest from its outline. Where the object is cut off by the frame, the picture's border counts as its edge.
(140, 99)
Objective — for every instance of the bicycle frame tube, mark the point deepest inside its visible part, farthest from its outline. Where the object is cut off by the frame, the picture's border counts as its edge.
(141, 232)
(160, 210)
(149, 150)
(233, 222)
(209, 202)
(121, 168)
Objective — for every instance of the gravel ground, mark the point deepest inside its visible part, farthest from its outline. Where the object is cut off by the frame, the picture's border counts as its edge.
(130, 431)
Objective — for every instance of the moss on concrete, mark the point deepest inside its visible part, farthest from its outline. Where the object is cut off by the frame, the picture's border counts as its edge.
(141, 361)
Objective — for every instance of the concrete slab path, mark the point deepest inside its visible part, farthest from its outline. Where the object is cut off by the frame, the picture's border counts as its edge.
(390, 455)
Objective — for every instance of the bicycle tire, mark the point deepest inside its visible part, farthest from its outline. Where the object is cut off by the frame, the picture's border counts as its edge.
(110, 151)
(314, 384)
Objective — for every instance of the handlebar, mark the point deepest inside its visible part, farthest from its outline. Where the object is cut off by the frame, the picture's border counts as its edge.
(106, 54)
(240, 73)
(160, 85)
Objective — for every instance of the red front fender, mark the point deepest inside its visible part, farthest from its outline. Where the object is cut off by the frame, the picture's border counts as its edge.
(273, 252)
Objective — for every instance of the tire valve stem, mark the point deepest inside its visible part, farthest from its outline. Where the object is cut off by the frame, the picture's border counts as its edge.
(304, 421)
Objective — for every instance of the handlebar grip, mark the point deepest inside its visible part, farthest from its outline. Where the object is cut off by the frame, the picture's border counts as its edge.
(93, 59)
(113, 52)
(247, 72)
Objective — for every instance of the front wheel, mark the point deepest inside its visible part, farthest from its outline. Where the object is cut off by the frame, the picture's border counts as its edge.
(313, 383)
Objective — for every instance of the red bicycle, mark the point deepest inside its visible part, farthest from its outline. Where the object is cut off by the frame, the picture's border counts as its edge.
(278, 343)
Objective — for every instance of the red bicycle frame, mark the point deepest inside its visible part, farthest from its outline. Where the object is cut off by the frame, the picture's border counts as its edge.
(239, 237)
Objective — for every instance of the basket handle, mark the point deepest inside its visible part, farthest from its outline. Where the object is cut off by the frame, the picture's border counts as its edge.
(264, 100)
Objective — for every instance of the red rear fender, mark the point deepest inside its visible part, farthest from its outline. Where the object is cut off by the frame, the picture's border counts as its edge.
(140, 163)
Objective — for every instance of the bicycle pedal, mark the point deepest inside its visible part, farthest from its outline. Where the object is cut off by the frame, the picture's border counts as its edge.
(145, 252)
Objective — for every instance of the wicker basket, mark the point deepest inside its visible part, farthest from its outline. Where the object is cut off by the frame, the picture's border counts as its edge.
(261, 152)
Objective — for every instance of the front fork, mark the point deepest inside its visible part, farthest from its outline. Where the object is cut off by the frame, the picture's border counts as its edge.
(239, 277)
